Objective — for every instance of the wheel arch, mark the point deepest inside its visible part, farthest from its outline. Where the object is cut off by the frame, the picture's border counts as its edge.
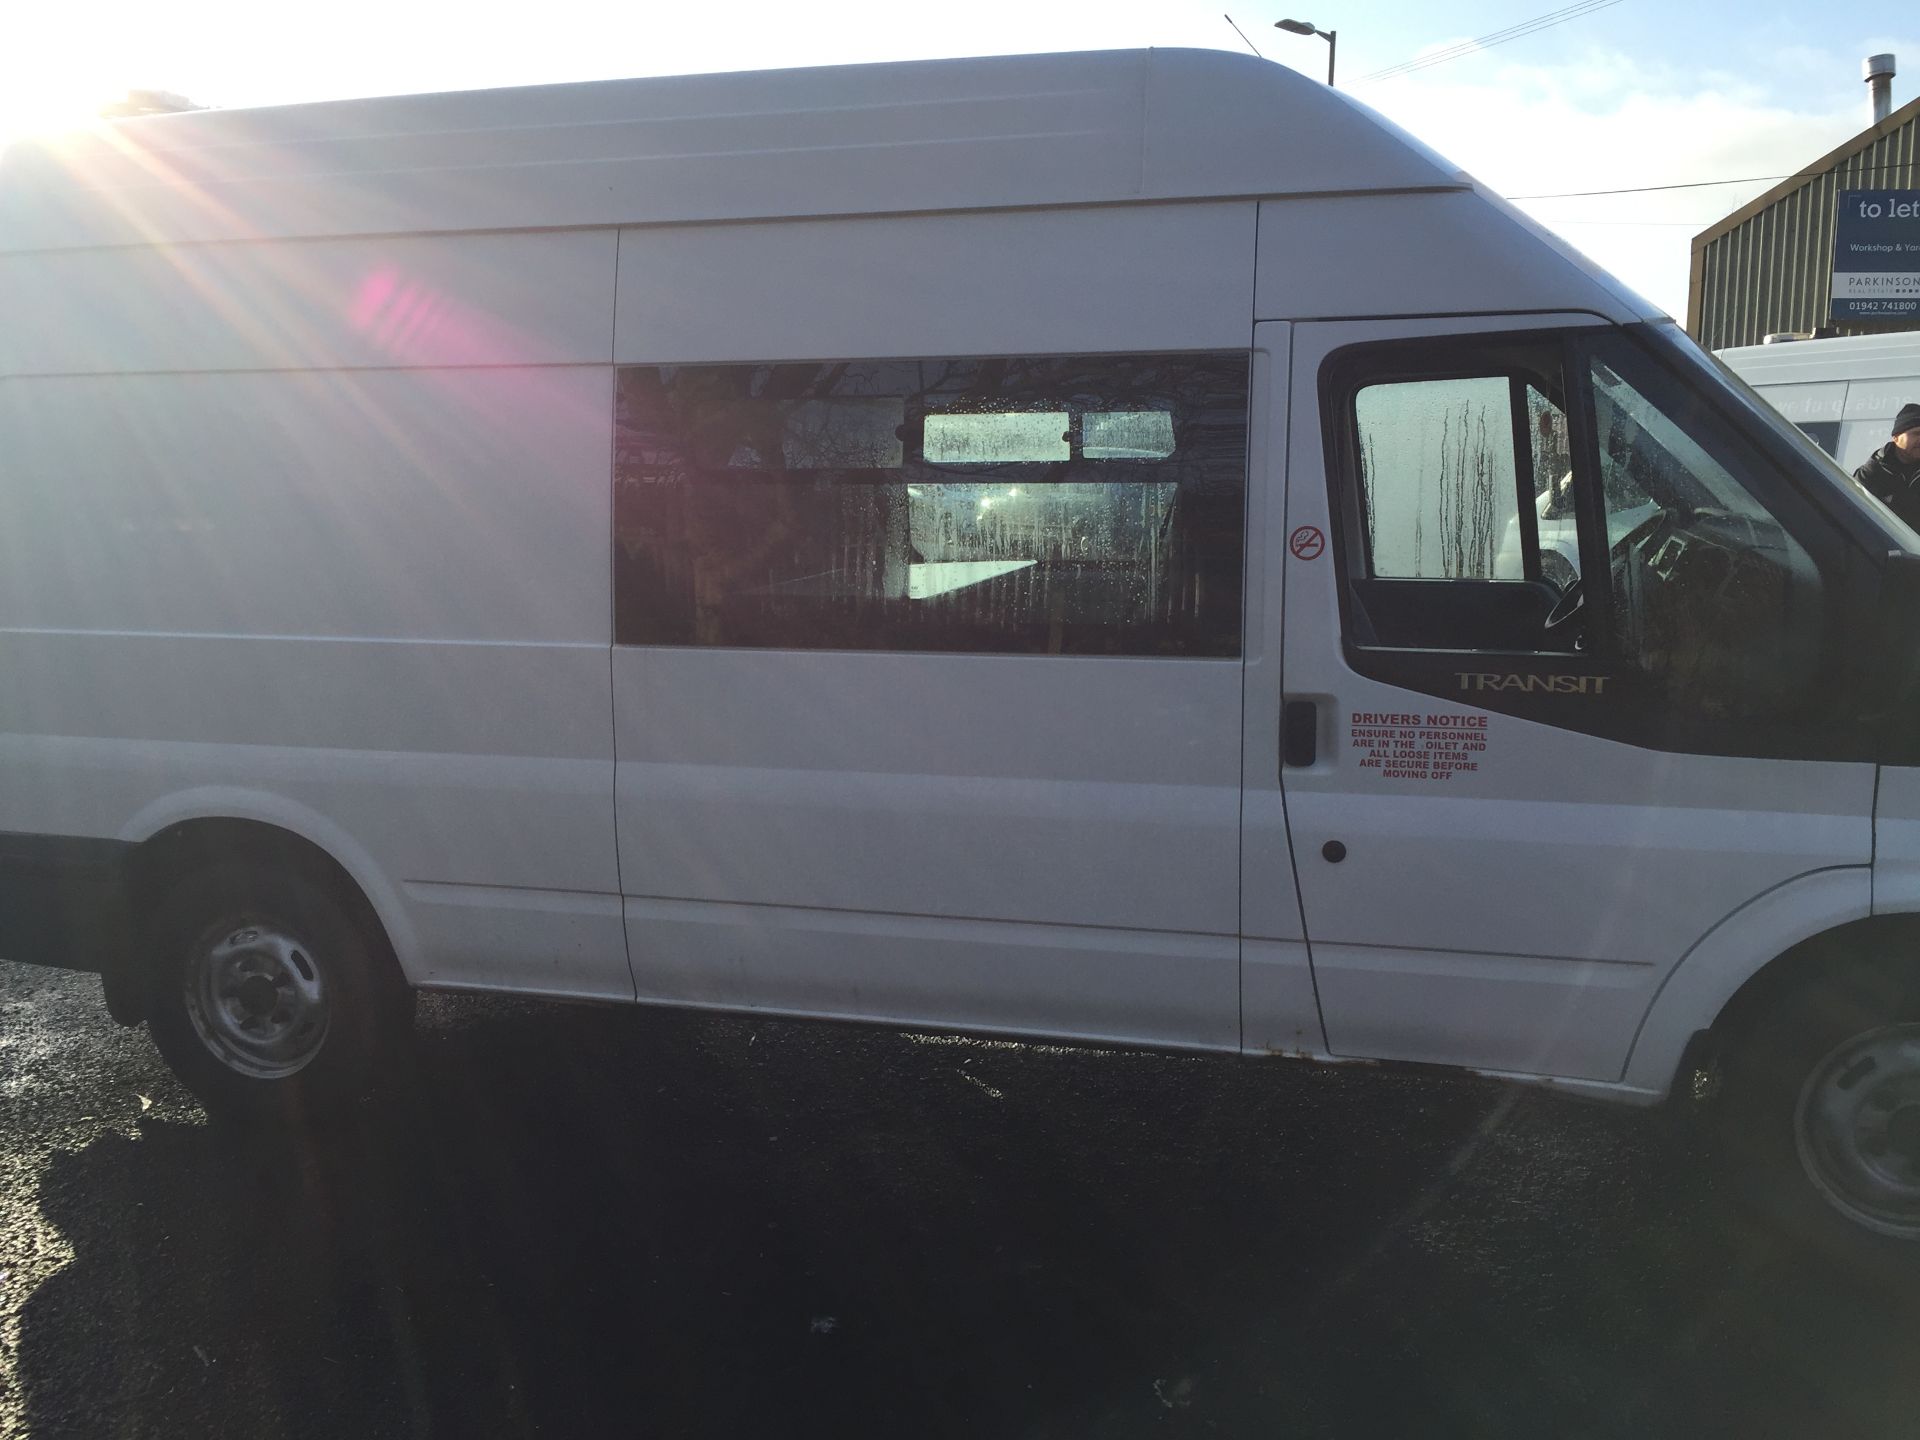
(198, 827)
(1766, 945)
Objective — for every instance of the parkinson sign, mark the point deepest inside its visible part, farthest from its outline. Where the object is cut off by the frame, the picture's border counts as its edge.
(1876, 255)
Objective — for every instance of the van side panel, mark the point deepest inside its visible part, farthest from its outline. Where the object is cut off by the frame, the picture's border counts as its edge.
(1021, 841)
(1896, 841)
(420, 300)
(922, 784)
(1279, 1009)
(1447, 253)
(377, 598)
(1039, 808)
(969, 974)
(1138, 278)
(454, 505)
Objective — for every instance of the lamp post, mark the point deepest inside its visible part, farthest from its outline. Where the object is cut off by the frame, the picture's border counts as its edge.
(1303, 27)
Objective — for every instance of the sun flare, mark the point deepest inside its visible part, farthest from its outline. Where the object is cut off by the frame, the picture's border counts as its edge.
(49, 110)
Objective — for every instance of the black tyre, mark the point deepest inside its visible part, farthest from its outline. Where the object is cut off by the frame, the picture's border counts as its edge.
(1820, 1119)
(270, 1000)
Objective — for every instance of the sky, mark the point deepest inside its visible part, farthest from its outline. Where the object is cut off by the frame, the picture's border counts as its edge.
(1637, 93)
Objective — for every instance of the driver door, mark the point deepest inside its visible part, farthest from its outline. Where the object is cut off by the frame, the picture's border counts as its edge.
(1563, 657)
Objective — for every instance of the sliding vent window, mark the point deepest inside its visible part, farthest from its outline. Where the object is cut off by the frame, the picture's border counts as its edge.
(1035, 506)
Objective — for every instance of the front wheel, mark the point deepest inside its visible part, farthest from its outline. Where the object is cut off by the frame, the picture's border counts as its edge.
(271, 999)
(1857, 1129)
(1822, 1111)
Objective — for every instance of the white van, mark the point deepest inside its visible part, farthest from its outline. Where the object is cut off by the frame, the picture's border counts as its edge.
(1006, 545)
(1843, 391)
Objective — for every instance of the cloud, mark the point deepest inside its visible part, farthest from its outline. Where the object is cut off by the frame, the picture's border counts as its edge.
(1614, 121)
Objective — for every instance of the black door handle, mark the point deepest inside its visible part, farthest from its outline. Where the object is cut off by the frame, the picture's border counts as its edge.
(1299, 733)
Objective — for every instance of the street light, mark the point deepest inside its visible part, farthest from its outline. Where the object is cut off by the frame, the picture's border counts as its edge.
(1303, 27)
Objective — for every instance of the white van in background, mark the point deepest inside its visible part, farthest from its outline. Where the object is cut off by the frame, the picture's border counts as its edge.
(1843, 391)
(1019, 545)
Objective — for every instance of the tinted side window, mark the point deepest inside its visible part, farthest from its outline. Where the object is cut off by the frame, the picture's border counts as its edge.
(1017, 506)
(1824, 433)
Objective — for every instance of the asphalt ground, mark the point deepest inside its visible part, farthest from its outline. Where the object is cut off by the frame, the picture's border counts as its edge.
(605, 1222)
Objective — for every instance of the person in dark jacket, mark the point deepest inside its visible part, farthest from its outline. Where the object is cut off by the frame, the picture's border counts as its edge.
(1893, 471)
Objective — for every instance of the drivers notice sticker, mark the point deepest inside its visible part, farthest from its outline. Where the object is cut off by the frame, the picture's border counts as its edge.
(1418, 746)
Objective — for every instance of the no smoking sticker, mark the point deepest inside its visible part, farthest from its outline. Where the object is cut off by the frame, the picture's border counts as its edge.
(1307, 543)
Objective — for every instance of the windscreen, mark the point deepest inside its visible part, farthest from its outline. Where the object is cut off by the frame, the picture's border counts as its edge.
(1811, 461)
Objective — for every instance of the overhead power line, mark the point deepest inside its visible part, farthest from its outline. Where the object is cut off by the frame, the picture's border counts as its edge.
(1702, 184)
(1648, 189)
(1487, 42)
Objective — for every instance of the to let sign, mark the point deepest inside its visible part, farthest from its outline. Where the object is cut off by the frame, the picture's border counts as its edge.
(1876, 255)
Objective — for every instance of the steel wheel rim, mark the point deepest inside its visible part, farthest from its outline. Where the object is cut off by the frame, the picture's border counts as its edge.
(258, 998)
(1857, 1128)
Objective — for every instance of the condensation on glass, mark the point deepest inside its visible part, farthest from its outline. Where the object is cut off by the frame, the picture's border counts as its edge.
(1437, 473)
(1053, 505)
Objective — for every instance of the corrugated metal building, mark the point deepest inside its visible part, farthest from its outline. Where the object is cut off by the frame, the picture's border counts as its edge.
(1768, 267)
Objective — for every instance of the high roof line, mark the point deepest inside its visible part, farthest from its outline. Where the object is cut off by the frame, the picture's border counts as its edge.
(1102, 127)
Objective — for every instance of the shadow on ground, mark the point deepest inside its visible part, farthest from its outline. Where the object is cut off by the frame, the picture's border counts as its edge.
(588, 1223)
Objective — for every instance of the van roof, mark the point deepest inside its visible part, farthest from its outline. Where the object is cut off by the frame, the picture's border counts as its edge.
(1080, 129)
(1836, 357)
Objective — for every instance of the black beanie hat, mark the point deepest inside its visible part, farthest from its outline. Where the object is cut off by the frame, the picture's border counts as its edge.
(1907, 419)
